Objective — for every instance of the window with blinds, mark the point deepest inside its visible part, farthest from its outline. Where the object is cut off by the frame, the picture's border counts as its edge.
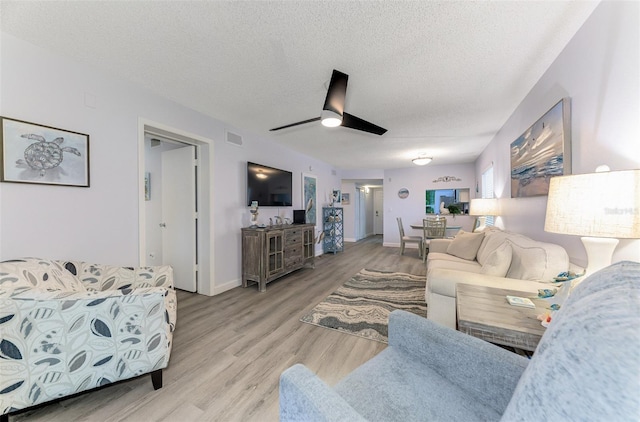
(487, 191)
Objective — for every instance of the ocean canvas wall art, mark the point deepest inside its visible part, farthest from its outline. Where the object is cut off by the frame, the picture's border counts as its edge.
(541, 152)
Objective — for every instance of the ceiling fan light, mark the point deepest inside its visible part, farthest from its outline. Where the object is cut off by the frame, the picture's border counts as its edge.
(330, 118)
(422, 161)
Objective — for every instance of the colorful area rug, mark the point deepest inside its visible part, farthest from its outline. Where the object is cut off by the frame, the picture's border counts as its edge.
(362, 305)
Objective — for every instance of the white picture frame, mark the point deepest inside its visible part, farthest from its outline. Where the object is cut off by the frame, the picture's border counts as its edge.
(309, 197)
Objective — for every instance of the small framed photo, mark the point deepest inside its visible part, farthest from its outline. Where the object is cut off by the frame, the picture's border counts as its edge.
(337, 197)
(33, 153)
(346, 199)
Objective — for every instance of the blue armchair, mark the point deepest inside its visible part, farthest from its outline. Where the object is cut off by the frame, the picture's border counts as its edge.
(586, 367)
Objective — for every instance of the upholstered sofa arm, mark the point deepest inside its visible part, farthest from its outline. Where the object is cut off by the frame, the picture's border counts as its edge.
(67, 342)
(305, 397)
(439, 245)
(165, 297)
(108, 277)
(156, 276)
(485, 371)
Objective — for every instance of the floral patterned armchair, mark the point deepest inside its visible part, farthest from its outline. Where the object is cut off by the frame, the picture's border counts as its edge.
(67, 327)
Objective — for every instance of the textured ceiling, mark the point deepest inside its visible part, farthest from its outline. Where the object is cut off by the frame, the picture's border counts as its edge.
(441, 76)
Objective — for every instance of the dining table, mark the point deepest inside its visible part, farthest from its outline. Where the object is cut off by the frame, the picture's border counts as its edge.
(449, 232)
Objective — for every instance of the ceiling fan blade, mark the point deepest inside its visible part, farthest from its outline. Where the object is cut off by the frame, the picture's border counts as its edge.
(315, 119)
(336, 92)
(353, 122)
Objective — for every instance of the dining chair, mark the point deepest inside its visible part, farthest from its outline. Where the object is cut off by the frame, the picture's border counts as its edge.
(432, 228)
(410, 239)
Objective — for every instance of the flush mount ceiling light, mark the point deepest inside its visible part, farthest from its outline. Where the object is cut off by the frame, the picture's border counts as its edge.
(422, 161)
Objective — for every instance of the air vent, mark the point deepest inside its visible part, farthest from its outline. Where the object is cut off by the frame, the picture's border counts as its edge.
(233, 138)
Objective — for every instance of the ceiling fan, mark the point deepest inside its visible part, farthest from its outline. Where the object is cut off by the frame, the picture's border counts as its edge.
(333, 113)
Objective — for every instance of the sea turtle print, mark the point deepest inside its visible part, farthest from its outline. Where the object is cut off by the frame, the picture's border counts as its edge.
(43, 155)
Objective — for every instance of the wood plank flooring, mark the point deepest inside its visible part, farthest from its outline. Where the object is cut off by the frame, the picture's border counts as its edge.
(230, 349)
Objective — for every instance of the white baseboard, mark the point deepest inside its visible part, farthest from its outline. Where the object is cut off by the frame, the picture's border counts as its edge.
(353, 239)
(226, 286)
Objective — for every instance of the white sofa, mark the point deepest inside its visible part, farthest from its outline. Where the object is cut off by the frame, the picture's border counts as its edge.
(67, 327)
(493, 258)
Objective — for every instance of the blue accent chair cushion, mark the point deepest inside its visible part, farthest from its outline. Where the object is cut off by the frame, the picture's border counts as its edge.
(586, 367)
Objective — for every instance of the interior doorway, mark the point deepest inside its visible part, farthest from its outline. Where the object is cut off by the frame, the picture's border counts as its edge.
(361, 214)
(378, 211)
(179, 214)
(175, 205)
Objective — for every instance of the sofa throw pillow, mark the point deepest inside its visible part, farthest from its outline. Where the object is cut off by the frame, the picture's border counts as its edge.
(465, 245)
(498, 262)
(493, 238)
(527, 262)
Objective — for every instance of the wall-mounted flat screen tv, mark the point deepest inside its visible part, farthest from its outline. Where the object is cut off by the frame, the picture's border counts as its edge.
(269, 186)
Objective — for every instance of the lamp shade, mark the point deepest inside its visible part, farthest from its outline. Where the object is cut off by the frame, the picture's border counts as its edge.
(484, 206)
(603, 204)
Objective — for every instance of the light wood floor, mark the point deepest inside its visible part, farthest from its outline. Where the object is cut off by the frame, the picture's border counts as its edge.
(230, 349)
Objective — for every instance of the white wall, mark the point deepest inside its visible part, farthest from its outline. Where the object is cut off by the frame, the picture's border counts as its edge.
(363, 174)
(368, 228)
(100, 223)
(599, 70)
(377, 205)
(349, 212)
(418, 180)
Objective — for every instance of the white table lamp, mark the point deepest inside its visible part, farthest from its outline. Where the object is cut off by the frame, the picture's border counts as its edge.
(482, 207)
(601, 207)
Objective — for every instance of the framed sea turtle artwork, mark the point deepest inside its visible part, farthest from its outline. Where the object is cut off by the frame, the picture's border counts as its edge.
(33, 153)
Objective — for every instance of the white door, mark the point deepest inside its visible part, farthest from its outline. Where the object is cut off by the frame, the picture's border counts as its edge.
(356, 208)
(378, 210)
(362, 214)
(179, 218)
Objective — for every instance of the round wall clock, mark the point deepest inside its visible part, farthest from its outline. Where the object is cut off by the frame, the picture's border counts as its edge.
(403, 193)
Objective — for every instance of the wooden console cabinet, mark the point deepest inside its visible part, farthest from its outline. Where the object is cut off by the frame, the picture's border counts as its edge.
(272, 252)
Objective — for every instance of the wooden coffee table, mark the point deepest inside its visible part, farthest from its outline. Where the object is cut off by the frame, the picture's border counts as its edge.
(484, 312)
